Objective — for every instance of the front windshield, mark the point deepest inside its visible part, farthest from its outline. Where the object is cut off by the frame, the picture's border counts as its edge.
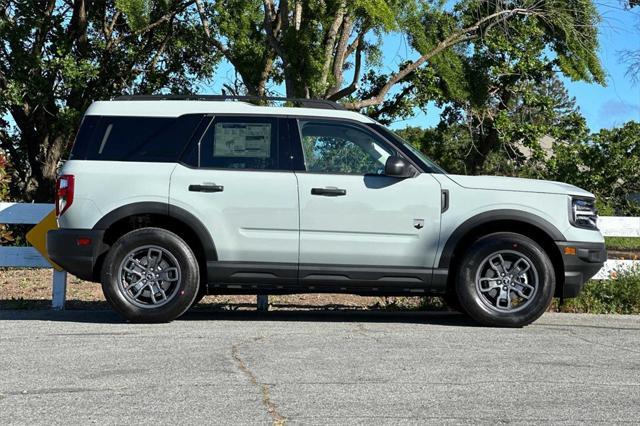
(429, 165)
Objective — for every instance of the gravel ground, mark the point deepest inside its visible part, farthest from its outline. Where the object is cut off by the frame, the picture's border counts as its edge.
(31, 289)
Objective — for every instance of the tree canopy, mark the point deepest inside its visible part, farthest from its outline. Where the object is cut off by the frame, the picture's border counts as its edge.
(478, 59)
(56, 57)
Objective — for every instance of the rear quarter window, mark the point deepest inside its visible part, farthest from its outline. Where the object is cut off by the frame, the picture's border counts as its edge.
(157, 139)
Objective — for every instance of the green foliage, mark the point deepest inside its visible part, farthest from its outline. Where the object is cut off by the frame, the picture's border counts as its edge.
(5, 234)
(136, 12)
(619, 296)
(339, 155)
(379, 11)
(490, 64)
(505, 141)
(607, 163)
(622, 243)
(55, 61)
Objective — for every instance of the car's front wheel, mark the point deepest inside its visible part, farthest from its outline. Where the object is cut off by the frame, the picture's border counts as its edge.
(505, 280)
(150, 275)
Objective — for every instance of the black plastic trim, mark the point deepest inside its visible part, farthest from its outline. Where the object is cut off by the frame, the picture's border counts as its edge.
(206, 188)
(164, 209)
(225, 272)
(306, 103)
(495, 216)
(286, 278)
(64, 250)
(365, 276)
(579, 268)
(329, 192)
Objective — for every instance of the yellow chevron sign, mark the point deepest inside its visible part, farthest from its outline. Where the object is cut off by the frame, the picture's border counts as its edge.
(37, 236)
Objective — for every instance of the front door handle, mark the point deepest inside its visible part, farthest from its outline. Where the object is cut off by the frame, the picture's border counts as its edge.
(329, 192)
(212, 187)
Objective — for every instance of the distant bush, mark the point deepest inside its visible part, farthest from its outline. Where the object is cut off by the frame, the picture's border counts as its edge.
(618, 296)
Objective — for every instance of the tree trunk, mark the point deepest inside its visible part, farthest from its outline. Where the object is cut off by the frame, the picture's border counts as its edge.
(484, 145)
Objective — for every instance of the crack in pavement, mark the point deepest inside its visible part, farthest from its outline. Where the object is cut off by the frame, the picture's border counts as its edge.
(52, 391)
(573, 334)
(272, 410)
(364, 331)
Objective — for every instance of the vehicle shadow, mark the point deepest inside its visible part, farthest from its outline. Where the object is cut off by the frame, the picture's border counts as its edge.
(99, 312)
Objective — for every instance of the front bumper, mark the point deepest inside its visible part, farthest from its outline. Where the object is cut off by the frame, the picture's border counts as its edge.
(79, 260)
(581, 266)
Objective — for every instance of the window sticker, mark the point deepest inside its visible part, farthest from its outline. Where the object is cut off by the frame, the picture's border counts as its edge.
(242, 140)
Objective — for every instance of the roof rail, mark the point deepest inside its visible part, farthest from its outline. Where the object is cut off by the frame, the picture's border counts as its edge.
(309, 103)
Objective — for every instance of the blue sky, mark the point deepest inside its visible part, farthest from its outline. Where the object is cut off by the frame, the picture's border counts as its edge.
(619, 101)
(603, 107)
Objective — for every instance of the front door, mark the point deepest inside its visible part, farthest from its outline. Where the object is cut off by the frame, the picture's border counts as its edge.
(352, 216)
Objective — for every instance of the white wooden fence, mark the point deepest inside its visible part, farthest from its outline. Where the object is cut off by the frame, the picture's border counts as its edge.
(28, 257)
(612, 226)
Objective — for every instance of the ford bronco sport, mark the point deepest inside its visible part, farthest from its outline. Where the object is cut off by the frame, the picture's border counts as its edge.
(167, 199)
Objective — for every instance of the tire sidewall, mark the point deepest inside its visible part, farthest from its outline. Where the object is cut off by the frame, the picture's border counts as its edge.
(477, 253)
(189, 283)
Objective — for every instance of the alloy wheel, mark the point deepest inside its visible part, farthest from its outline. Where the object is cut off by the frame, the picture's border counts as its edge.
(149, 276)
(507, 281)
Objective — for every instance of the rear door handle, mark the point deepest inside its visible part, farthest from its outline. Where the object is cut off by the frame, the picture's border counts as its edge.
(329, 192)
(206, 188)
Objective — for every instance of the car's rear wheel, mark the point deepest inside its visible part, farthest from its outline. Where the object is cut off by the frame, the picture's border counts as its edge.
(150, 275)
(505, 280)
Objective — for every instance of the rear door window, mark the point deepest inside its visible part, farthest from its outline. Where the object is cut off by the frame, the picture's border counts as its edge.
(240, 143)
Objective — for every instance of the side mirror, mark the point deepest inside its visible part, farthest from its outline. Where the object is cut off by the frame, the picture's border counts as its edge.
(396, 167)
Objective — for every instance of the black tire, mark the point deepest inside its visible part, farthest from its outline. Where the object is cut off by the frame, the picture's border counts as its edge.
(490, 306)
(451, 299)
(182, 287)
(202, 292)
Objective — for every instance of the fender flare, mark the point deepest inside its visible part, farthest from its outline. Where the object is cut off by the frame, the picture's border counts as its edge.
(495, 216)
(163, 209)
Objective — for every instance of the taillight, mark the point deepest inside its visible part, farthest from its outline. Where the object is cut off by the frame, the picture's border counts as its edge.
(64, 193)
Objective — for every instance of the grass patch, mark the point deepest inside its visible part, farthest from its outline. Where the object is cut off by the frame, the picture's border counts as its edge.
(622, 243)
(619, 296)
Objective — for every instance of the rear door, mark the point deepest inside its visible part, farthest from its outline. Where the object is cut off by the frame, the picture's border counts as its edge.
(236, 178)
(353, 217)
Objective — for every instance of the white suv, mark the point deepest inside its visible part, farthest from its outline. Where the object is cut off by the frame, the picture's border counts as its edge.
(167, 199)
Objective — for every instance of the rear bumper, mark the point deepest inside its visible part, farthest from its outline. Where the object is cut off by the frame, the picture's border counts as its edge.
(581, 266)
(79, 260)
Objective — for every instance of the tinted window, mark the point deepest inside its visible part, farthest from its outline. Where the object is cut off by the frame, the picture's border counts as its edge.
(160, 139)
(240, 143)
(83, 138)
(331, 147)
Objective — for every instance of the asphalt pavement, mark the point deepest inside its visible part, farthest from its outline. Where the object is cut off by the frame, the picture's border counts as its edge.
(306, 367)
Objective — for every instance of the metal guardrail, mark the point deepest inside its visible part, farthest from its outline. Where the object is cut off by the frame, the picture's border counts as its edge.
(31, 214)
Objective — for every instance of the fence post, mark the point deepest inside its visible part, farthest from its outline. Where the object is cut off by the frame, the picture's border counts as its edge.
(263, 303)
(59, 290)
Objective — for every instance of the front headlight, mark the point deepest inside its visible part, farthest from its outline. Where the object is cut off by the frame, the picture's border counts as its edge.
(583, 213)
